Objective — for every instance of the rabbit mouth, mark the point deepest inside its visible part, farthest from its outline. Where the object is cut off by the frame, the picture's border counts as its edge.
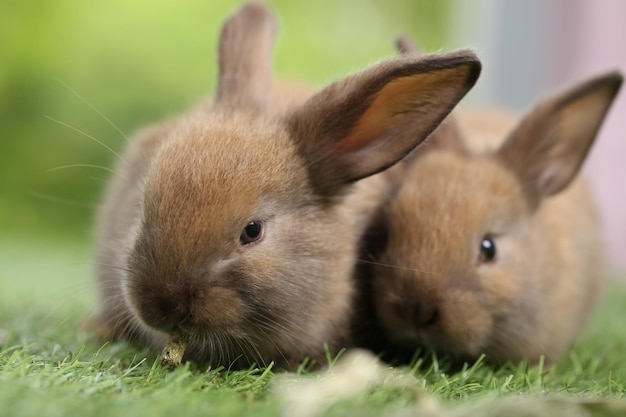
(226, 347)
(410, 336)
(436, 339)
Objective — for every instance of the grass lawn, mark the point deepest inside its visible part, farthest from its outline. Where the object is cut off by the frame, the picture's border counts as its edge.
(48, 368)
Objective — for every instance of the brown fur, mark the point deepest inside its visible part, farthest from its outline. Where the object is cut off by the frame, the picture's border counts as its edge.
(431, 288)
(169, 250)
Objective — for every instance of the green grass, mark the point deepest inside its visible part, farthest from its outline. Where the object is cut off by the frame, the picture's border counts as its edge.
(159, 59)
(49, 368)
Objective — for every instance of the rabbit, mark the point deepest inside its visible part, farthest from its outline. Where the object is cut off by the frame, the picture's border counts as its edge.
(238, 224)
(493, 246)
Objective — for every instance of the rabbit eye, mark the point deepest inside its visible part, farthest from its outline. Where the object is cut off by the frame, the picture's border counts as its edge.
(253, 232)
(487, 249)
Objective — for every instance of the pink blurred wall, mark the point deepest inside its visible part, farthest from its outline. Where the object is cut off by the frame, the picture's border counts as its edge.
(596, 43)
(532, 47)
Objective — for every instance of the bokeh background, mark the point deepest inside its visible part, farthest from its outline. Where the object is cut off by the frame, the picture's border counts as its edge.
(532, 47)
(68, 67)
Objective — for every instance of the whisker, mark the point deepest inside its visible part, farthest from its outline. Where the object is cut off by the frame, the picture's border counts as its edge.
(61, 200)
(66, 300)
(278, 350)
(243, 350)
(406, 268)
(222, 348)
(92, 107)
(80, 166)
(87, 135)
(102, 180)
(267, 323)
(121, 268)
(257, 353)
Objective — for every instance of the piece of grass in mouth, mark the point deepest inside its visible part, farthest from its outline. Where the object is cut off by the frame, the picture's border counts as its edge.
(172, 354)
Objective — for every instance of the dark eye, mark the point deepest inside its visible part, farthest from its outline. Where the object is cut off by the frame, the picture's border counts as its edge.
(253, 232)
(487, 249)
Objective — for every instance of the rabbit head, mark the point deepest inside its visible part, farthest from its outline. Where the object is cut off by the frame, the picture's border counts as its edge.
(497, 252)
(241, 239)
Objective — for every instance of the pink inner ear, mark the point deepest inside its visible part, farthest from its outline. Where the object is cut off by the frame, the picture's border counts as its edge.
(392, 104)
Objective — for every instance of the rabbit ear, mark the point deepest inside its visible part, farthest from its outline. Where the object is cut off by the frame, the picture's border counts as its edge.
(449, 134)
(549, 145)
(406, 46)
(245, 58)
(363, 124)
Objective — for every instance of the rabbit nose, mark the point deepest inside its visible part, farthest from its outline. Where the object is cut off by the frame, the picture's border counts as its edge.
(425, 313)
(173, 309)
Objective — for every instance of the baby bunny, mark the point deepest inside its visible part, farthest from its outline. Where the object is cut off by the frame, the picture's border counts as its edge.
(229, 225)
(492, 247)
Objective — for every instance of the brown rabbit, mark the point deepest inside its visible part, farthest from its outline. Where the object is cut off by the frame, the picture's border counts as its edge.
(491, 247)
(230, 224)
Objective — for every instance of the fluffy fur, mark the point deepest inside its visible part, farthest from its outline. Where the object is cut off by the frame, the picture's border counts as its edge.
(433, 286)
(169, 252)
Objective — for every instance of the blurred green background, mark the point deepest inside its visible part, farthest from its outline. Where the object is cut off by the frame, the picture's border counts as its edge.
(136, 62)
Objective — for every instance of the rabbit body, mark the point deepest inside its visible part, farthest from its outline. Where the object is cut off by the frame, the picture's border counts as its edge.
(238, 224)
(489, 247)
